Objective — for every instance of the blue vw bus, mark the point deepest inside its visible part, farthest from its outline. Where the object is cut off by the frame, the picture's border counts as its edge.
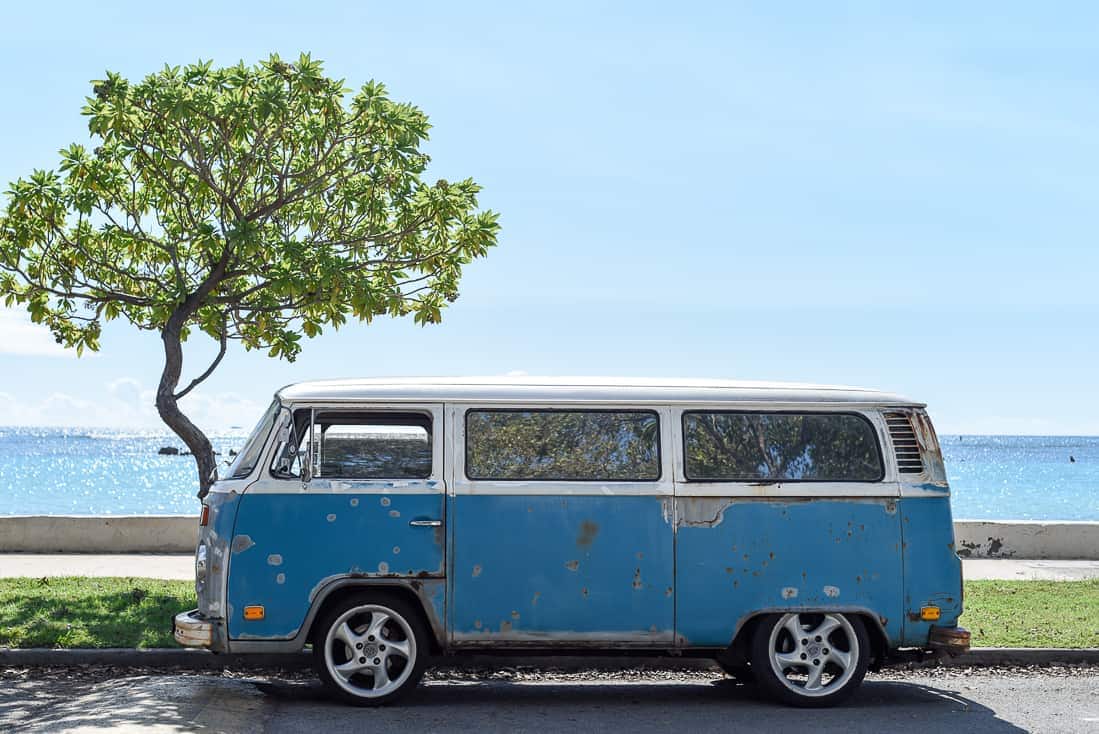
(797, 534)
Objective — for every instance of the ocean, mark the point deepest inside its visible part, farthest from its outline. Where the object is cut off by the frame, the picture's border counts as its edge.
(46, 471)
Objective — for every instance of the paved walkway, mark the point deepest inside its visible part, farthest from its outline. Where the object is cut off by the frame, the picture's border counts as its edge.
(34, 565)
(157, 566)
(1046, 570)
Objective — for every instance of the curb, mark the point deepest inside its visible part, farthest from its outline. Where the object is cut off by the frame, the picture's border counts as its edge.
(167, 658)
(994, 656)
(173, 659)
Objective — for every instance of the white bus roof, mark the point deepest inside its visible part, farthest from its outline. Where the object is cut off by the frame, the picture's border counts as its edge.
(582, 390)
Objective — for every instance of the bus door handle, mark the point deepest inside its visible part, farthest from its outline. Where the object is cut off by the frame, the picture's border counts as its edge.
(426, 523)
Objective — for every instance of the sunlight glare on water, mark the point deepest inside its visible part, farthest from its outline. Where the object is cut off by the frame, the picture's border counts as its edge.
(48, 471)
(1023, 477)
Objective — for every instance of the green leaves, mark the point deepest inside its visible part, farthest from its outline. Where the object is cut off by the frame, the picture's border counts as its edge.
(260, 202)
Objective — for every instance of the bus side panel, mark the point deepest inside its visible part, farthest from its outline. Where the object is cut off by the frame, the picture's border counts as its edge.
(562, 569)
(737, 556)
(287, 546)
(932, 569)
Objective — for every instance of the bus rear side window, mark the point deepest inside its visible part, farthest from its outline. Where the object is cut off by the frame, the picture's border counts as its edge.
(774, 447)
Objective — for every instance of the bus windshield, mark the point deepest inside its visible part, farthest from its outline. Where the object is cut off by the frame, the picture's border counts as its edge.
(249, 455)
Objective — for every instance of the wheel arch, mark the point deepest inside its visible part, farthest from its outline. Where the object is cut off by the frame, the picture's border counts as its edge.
(419, 593)
(875, 629)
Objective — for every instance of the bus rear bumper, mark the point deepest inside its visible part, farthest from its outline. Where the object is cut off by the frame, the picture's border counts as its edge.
(953, 641)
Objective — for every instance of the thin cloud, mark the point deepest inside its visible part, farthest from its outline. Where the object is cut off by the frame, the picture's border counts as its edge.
(126, 403)
(19, 336)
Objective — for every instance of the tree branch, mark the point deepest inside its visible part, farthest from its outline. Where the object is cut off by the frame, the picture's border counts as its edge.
(209, 370)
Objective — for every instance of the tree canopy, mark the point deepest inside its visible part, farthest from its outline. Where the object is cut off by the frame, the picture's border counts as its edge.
(251, 203)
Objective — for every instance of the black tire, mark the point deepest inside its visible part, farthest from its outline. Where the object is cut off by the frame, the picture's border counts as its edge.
(403, 629)
(773, 632)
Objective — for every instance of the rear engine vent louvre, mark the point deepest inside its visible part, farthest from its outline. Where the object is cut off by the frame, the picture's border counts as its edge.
(905, 447)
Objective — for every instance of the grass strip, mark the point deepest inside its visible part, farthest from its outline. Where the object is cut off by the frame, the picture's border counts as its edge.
(136, 612)
(71, 611)
(1032, 613)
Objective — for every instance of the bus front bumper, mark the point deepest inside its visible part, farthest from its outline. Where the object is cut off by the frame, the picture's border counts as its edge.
(191, 629)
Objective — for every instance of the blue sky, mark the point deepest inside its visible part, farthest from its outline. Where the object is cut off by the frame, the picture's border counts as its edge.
(829, 193)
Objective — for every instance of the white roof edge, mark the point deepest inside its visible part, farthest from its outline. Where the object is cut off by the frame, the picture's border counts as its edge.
(583, 389)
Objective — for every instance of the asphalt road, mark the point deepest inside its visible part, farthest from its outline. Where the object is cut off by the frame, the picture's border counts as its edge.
(966, 701)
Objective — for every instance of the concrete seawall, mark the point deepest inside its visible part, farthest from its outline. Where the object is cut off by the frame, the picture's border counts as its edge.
(98, 534)
(1031, 540)
(178, 534)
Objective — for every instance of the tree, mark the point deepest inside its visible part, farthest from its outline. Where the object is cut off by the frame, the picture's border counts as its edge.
(249, 203)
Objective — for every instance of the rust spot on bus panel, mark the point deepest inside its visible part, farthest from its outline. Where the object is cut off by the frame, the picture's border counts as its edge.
(242, 543)
(588, 531)
(572, 565)
(702, 512)
(637, 578)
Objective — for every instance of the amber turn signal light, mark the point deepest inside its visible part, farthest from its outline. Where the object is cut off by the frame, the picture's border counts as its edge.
(253, 613)
(204, 518)
(930, 614)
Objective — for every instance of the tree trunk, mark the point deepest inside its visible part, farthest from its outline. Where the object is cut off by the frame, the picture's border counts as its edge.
(168, 405)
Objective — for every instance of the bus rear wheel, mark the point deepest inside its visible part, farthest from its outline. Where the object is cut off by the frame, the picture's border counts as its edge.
(810, 659)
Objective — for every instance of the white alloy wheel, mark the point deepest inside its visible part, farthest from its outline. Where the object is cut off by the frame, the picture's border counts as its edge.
(813, 659)
(371, 651)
